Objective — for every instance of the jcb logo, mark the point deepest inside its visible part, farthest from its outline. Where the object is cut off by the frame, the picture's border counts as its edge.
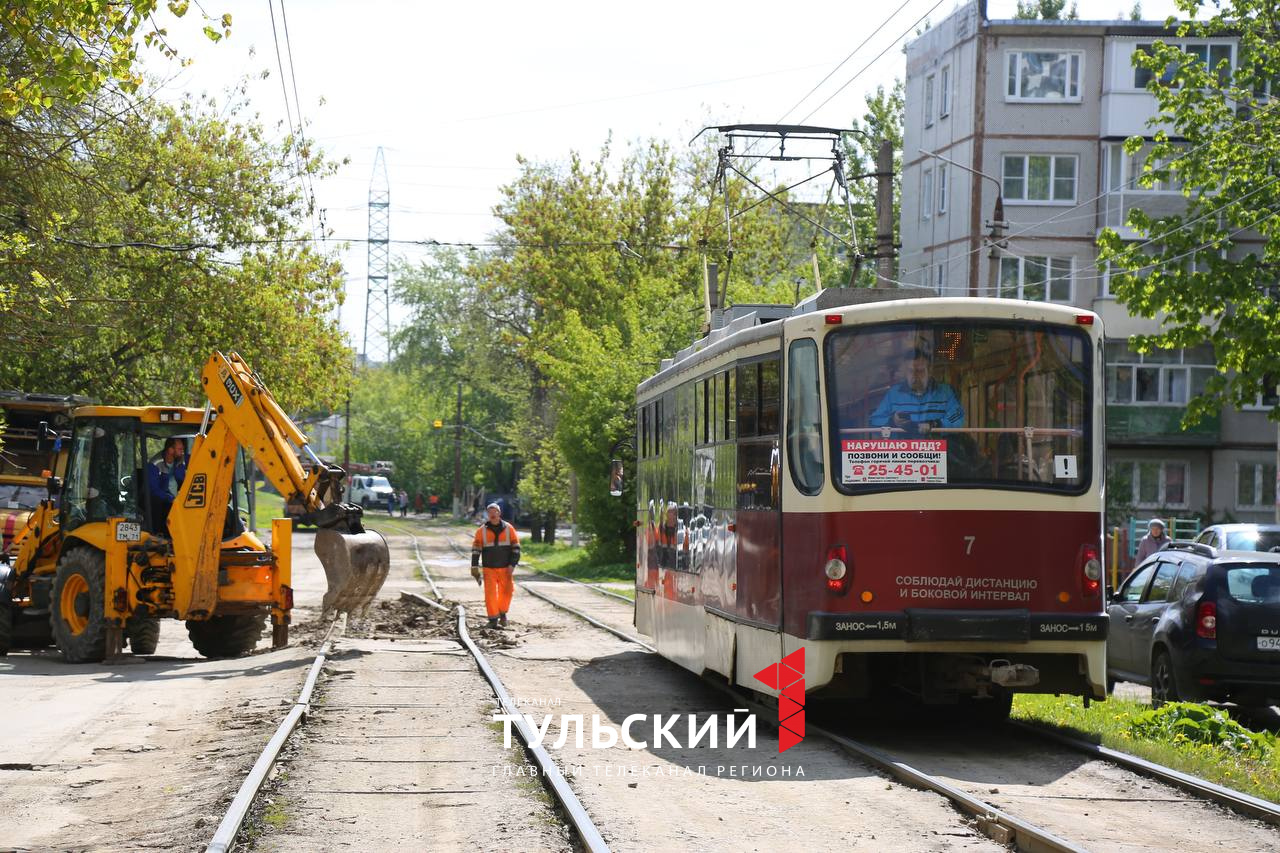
(229, 382)
(196, 496)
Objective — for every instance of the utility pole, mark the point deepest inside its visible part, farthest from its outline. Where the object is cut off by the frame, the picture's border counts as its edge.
(884, 215)
(457, 457)
(346, 441)
(997, 223)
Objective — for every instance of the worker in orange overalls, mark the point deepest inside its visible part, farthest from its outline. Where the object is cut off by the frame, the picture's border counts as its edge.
(497, 548)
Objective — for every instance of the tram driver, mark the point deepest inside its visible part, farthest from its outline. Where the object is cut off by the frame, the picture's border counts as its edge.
(918, 404)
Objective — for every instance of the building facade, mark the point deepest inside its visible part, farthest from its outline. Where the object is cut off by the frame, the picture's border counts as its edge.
(1035, 113)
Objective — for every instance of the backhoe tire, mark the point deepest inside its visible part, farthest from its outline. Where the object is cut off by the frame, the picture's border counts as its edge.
(226, 636)
(6, 627)
(143, 634)
(75, 606)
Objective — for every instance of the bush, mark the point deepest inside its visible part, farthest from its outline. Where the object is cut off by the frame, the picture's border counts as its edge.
(1190, 723)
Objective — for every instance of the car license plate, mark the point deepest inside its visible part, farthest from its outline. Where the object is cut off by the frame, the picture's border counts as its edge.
(1269, 644)
(131, 531)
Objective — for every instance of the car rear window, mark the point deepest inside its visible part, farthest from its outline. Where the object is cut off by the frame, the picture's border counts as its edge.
(1254, 540)
(1254, 584)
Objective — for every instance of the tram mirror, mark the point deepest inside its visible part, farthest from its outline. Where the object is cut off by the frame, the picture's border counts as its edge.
(615, 478)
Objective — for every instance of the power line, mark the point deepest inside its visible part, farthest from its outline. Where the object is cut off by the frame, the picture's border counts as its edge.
(864, 68)
(852, 53)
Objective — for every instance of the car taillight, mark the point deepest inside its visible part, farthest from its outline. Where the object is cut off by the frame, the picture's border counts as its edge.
(837, 570)
(1090, 571)
(1207, 620)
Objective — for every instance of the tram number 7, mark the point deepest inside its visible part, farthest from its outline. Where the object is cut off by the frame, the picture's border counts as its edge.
(968, 545)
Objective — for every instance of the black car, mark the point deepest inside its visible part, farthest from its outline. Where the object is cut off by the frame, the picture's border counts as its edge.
(1196, 623)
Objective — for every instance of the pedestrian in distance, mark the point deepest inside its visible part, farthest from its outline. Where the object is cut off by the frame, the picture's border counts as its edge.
(418, 503)
(434, 503)
(1154, 541)
(495, 552)
(404, 503)
(391, 503)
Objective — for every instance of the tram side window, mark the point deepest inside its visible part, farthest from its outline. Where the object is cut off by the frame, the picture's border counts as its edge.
(657, 428)
(717, 407)
(699, 416)
(644, 432)
(770, 397)
(705, 410)
(804, 417)
(730, 405)
(758, 474)
(748, 399)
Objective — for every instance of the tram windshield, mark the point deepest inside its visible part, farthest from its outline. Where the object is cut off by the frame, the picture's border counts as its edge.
(973, 403)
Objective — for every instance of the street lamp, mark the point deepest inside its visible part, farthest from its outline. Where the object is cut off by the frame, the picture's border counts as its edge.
(997, 223)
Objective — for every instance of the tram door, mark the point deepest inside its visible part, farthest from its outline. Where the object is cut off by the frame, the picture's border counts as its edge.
(758, 522)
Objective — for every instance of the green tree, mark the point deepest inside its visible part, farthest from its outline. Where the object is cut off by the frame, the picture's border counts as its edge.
(1209, 270)
(65, 52)
(160, 235)
(1048, 10)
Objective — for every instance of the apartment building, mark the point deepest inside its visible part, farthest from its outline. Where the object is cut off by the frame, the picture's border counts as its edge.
(1035, 113)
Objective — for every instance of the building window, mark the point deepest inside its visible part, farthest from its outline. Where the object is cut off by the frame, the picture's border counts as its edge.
(942, 189)
(944, 92)
(1039, 177)
(939, 277)
(1036, 277)
(1043, 76)
(1150, 484)
(928, 101)
(1160, 378)
(1213, 54)
(926, 194)
(1255, 485)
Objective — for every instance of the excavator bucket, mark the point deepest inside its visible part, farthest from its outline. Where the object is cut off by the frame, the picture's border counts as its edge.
(356, 565)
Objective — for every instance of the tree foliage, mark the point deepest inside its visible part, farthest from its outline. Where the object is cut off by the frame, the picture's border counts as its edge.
(597, 275)
(136, 236)
(1209, 271)
(1047, 10)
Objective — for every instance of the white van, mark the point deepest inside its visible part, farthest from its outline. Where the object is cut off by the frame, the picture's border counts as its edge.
(370, 491)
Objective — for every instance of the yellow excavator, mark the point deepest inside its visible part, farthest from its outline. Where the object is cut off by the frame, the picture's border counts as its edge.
(109, 556)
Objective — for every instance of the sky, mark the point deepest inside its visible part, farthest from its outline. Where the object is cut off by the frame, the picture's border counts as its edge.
(453, 92)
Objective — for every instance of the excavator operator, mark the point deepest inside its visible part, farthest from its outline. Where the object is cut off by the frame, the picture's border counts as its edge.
(164, 477)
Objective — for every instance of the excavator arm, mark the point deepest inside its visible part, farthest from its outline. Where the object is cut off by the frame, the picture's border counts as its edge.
(355, 561)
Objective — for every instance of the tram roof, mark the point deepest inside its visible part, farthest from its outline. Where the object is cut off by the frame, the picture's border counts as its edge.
(745, 324)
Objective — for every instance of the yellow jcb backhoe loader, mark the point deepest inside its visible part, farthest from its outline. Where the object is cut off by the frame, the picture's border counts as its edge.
(117, 561)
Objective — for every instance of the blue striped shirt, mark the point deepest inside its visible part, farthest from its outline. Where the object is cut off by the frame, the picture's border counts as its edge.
(937, 404)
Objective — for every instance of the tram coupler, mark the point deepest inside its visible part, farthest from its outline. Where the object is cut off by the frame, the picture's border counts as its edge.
(1007, 674)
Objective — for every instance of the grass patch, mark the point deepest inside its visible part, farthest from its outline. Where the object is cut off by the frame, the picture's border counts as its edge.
(267, 505)
(574, 563)
(1120, 724)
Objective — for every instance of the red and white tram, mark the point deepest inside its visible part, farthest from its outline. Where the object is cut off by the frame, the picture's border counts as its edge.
(911, 490)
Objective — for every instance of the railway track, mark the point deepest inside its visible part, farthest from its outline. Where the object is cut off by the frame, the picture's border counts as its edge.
(1002, 824)
(575, 816)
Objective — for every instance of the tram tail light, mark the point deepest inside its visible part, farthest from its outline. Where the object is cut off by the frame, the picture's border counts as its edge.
(1090, 571)
(1207, 621)
(837, 570)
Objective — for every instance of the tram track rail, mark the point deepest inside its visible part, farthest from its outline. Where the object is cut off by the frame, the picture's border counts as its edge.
(224, 836)
(997, 823)
(558, 787)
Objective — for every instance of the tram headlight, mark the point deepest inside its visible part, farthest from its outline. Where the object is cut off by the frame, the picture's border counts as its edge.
(837, 570)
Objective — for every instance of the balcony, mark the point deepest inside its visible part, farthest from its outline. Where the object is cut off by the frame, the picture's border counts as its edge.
(1159, 426)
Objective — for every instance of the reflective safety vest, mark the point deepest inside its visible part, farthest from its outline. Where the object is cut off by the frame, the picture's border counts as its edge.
(495, 549)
